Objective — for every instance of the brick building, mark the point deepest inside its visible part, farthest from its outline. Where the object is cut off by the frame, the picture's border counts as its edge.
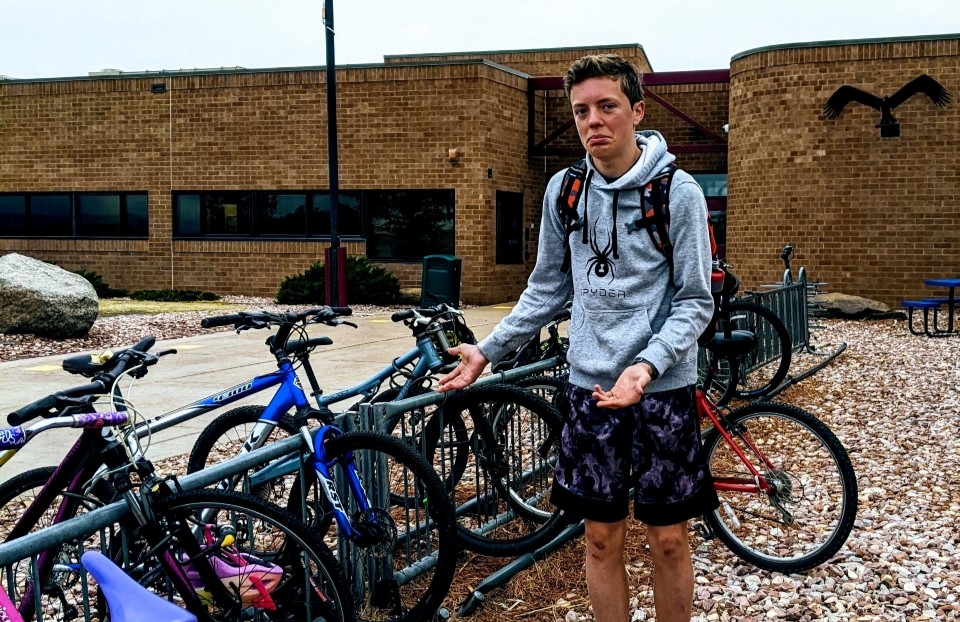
(217, 180)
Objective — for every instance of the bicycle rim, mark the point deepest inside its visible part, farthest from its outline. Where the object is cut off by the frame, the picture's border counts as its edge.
(285, 573)
(810, 511)
(402, 567)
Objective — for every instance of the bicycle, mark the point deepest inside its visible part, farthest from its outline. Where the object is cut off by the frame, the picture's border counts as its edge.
(787, 488)
(456, 439)
(223, 556)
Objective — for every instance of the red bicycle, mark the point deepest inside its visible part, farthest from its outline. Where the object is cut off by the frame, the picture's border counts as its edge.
(787, 488)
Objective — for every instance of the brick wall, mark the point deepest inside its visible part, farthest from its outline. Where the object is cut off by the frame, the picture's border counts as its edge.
(870, 216)
(267, 130)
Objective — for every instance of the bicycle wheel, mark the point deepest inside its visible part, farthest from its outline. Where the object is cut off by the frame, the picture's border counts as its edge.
(61, 597)
(810, 509)
(548, 388)
(274, 568)
(764, 369)
(503, 499)
(405, 557)
(225, 437)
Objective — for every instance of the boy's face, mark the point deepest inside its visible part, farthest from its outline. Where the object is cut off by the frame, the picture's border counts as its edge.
(605, 119)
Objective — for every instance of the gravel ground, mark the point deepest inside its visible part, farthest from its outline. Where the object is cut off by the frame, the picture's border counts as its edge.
(891, 398)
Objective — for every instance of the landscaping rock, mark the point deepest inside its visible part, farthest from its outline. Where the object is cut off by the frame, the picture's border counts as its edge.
(42, 299)
(853, 307)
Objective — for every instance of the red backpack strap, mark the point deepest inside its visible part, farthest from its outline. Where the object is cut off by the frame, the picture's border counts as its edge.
(656, 212)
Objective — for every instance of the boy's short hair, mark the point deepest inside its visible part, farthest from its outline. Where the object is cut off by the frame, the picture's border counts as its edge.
(606, 66)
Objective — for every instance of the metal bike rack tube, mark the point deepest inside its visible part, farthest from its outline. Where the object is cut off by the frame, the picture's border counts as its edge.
(502, 576)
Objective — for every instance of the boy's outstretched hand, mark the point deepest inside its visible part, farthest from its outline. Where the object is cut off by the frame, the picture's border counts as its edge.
(472, 362)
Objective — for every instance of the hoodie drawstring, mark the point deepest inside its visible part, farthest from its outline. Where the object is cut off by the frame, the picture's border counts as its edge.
(616, 201)
(586, 199)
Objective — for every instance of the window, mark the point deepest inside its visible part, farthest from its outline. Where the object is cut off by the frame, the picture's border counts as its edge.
(271, 214)
(74, 214)
(406, 225)
(399, 225)
(509, 227)
(713, 184)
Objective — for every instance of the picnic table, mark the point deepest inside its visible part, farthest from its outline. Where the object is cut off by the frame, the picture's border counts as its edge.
(952, 285)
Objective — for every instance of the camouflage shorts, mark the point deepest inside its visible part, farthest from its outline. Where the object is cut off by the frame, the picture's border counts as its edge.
(652, 447)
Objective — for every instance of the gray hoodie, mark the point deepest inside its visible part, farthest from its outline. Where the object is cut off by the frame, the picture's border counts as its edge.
(625, 306)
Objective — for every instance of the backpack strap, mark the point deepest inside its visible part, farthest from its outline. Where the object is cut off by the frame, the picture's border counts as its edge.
(570, 190)
(655, 198)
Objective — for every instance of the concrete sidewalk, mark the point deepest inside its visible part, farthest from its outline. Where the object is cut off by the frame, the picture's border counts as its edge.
(207, 364)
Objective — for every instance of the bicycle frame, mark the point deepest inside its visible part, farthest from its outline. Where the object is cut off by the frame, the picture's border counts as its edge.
(706, 409)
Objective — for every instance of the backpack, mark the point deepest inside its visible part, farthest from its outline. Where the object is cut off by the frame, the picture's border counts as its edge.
(655, 219)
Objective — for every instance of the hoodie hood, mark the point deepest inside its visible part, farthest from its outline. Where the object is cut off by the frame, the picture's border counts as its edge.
(654, 157)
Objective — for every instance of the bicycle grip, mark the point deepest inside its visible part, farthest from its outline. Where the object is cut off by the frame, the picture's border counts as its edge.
(28, 412)
(399, 316)
(222, 320)
(342, 311)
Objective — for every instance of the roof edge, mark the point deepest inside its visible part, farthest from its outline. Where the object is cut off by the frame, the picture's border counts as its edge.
(839, 42)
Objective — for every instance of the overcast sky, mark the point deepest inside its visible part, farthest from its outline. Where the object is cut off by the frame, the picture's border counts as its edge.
(57, 38)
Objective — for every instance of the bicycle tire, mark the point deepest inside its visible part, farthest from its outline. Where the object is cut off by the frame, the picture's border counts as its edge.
(16, 494)
(814, 480)
(310, 585)
(503, 499)
(754, 379)
(412, 539)
(224, 437)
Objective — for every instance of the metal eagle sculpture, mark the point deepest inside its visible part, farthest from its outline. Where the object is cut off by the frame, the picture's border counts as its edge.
(889, 127)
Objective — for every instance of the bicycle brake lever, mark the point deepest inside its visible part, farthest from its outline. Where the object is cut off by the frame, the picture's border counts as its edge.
(348, 323)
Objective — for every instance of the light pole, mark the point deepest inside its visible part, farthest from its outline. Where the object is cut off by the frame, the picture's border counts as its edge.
(335, 259)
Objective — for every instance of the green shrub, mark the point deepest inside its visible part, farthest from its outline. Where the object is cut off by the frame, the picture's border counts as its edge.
(367, 283)
(103, 290)
(173, 295)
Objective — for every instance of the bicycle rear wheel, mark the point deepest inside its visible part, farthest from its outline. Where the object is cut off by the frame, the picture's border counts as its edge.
(809, 512)
(503, 499)
(276, 567)
(758, 372)
(403, 563)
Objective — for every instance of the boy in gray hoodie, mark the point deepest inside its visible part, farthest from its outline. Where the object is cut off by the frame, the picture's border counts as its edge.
(633, 344)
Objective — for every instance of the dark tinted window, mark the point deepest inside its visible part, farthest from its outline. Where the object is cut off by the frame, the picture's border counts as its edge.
(226, 213)
(406, 225)
(99, 214)
(13, 214)
(509, 227)
(186, 208)
(281, 214)
(50, 215)
(349, 221)
(137, 221)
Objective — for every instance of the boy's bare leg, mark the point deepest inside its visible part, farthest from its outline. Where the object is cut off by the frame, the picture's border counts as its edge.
(672, 572)
(606, 573)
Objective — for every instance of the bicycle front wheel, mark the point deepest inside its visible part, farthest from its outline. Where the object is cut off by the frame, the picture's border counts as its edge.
(807, 514)
(275, 567)
(404, 553)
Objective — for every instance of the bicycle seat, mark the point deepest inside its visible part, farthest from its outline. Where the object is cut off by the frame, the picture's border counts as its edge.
(127, 599)
(89, 365)
(739, 343)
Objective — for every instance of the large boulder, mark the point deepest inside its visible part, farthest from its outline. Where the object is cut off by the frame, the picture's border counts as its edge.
(42, 299)
(853, 307)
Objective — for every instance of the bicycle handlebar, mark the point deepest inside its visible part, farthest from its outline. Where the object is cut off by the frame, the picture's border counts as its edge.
(52, 404)
(434, 311)
(261, 319)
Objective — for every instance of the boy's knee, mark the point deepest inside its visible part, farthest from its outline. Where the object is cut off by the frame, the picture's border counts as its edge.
(669, 543)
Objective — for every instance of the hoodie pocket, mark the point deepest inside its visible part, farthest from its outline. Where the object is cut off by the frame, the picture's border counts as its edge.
(604, 342)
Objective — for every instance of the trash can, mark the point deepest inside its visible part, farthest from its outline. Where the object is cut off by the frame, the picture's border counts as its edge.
(440, 280)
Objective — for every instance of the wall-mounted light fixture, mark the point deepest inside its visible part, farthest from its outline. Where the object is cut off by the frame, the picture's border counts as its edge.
(158, 88)
(453, 154)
